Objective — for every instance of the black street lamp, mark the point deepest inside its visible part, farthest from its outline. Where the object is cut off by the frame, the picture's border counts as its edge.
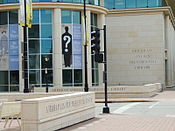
(106, 108)
(26, 87)
(46, 73)
(86, 89)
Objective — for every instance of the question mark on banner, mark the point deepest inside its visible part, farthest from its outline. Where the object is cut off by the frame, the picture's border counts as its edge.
(68, 41)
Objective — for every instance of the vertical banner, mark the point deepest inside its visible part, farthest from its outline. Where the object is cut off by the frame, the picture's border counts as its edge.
(67, 44)
(13, 47)
(3, 47)
(77, 46)
(29, 13)
(14, 62)
(22, 13)
(28, 21)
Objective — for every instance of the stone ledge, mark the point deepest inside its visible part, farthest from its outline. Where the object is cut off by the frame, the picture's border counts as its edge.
(56, 112)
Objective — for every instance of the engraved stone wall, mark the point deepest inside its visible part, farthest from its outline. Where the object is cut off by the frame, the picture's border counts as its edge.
(136, 49)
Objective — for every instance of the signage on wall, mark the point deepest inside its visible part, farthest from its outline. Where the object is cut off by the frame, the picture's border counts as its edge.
(67, 46)
(72, 46)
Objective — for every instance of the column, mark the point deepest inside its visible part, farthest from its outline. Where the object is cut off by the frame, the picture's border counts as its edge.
(21, 79)
(88, 14)
(57, 55)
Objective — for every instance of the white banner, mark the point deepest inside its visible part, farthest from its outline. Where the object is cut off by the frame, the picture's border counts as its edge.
(22, 13)
(28, 22)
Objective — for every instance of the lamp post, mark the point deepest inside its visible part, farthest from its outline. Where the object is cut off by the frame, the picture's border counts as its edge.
(26, 88)
(106, 108)
(86, 89)
(46, 73)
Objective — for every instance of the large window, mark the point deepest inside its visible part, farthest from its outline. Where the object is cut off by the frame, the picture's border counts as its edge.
(95, 75)
(40, 49)
(121, 4)
(72, 48)
(9, 51)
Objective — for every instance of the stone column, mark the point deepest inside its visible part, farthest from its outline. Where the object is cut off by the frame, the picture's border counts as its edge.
(88, 13)
(57, 55)
(21, 79)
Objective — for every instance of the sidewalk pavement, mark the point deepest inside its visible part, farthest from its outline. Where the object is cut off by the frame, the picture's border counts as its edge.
(162, 96)
(113, 122)
(123, 122)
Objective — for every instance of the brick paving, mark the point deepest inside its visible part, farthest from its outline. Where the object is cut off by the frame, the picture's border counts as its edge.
(123, 122)
(113, 122)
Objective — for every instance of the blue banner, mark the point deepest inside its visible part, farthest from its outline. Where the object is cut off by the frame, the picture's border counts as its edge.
(77, 46)
(13, 47)
(77, 61)
(13, 32)
(14, 62)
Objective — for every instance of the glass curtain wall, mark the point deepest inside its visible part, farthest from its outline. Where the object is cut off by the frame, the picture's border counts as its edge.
(40, 49)
(71, 48)
(9, 51)
(95, 73)
(121, 4)
(8, 1)
(93, 2)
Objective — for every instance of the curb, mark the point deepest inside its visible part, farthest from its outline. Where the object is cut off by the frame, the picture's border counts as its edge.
(124, 100)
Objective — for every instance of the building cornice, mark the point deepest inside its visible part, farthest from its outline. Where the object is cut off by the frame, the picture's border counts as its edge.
(52, 5)
(166, 10)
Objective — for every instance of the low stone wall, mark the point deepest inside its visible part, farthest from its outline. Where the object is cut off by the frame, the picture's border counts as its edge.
(147, 90)
(21, 96)
(56, 112)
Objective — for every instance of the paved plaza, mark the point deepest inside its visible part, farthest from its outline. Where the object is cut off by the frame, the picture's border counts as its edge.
(123, 122)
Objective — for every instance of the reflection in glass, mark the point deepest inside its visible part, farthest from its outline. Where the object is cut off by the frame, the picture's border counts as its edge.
(46, 16)
(77, 77)
(46, 61)
(14, 77)
(130, 3)
(46, 31)
(95, 79)
(47, 78)
(67, 77)
(4, 77)
(3, 18)
(154, 3)
(46, 46)
(142, 3)
(13, 17)
(14, 88)
(34, 46)
(34, 61)
(76, 17)
(34, 31)
(4, 89)
(120, 4)
(66, 17)
(77, 1)
(67, 0)
(34, 77)
(35, 19)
